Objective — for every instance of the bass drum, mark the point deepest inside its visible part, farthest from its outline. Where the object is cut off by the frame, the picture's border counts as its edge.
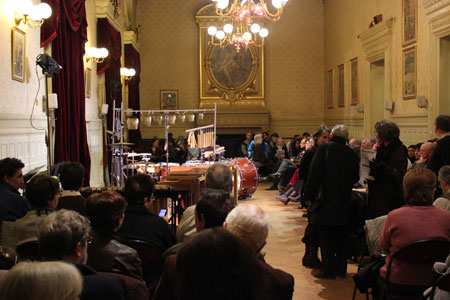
(248, 176)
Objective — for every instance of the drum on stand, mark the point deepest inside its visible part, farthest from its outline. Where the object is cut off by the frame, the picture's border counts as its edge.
(248, 176)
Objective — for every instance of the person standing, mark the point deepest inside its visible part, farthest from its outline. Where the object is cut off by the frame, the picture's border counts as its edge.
(333, 172)
(388, 169)
(441, 154)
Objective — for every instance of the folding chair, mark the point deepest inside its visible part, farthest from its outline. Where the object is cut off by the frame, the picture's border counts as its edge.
(152, 262)
(425, 253)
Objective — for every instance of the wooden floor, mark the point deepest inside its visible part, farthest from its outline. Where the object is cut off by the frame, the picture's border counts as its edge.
(284, 250)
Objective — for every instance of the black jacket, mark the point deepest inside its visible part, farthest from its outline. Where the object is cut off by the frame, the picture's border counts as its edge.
(140, 224)
(12, 205)
(107, 254)
(388, 169)
(441, 154)
(334, 170)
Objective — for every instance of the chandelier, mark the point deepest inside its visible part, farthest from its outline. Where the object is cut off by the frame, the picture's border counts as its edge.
(243, 20)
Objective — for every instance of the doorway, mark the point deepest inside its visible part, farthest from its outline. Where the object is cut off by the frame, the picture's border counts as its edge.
(444, 76)
(377, 78)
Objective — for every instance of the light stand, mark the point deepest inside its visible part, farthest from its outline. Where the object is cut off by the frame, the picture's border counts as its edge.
(49, 67)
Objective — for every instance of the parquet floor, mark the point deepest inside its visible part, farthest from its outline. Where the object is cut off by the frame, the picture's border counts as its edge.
(284, 250)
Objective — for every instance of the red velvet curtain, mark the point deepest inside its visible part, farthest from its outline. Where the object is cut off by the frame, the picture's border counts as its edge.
(133, 60)
(67, 31)
(108, 37)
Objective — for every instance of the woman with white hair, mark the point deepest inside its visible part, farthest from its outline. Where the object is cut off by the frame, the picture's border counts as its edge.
(41, 280)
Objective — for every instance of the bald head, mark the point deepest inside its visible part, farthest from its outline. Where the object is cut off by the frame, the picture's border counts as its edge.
(426, 150)
(250, 223)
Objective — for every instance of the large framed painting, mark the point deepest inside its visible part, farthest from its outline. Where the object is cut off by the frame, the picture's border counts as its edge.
(354, 81)
(409, 79)
(341, 94)
(169, 99)
(228, 74)
(330, 88)
(409, 21)
(18, 54)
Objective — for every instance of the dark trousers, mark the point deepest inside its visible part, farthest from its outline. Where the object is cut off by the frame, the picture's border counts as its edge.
(333, 247)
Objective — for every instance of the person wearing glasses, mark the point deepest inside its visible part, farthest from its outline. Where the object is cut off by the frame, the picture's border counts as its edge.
(65, 236)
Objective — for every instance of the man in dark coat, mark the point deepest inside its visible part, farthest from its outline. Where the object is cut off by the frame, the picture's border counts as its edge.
(333, 172)
(388, 169)
(441, 155)
(72, 178)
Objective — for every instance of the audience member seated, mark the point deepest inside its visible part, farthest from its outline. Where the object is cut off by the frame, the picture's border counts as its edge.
(246, 143)
(426, 150)
(218, 177)
(64, 236)
(41, 280)
(210, 211)
(443, 201)
(140, 223)
(417, 220)
(42, 193)
(388, 169)
(72, 178)
(412, 153)
(213, 264)
(251, 225)
(156, 151)
(106, 253)
(12, 205)
(258, 155)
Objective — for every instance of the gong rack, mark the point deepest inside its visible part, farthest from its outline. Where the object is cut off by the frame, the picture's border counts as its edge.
(118, 136)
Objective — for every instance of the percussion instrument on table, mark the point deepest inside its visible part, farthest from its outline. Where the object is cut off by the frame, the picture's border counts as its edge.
(158, 171)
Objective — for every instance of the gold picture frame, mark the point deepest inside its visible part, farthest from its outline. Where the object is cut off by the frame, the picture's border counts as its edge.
(169, 99)
(409, 22)
(330, 92)
(354, 81)
(87, 82)
(341, 85)
(409, 73)
(18, 38)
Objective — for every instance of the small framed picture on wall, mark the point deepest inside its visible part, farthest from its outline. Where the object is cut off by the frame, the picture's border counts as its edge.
(354, 81)
(341, 94)
(87, 82)
(409, 73)
(18, 54)
(330, 88)
(169, 99)
(409, 22)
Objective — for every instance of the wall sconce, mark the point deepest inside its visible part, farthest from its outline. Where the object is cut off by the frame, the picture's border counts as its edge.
(33, 15)
(127, 74)
(97, 55)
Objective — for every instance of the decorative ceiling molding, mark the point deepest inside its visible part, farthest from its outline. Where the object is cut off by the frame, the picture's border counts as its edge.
(377, 39)
(130, 37)
(104, 9)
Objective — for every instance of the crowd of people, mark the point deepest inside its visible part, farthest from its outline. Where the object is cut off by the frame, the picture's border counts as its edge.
(111, 246)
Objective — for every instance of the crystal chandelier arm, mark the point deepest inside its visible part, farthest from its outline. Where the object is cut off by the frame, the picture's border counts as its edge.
(227, 11)
(271, 16)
